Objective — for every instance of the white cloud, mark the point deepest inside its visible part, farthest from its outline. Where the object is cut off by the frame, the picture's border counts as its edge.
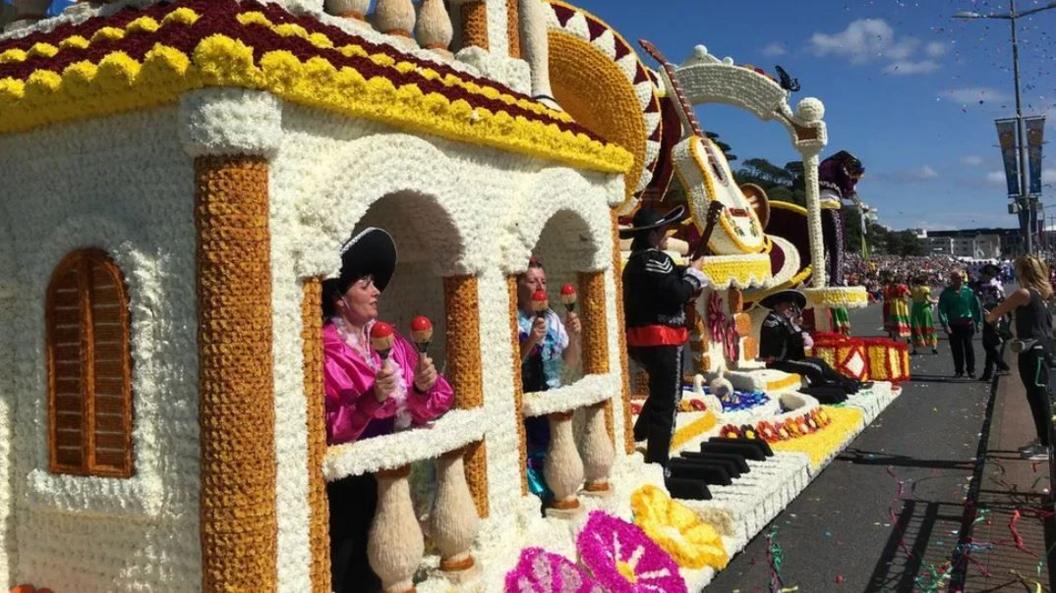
(972, 160)
(917, 175)
(995, 178)
(935, 49)
(870, 40)
(975, 94)
(774, 49)
(863, 40)
(910, 68)
(1048, 175)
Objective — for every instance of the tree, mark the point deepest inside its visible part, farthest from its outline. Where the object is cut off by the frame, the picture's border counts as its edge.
(780, 183)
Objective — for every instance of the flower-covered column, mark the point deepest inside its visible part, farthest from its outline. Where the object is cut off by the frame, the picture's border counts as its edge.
(597, 445)
(811, 163)
(625, 373)
(462, 306)
(318, 508)
(473, 23)
(236, 407)
(518, 386)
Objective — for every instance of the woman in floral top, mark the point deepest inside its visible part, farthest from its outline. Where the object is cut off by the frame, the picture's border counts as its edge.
(548, 347)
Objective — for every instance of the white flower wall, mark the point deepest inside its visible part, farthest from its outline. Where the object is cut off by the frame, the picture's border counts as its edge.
(123, 184)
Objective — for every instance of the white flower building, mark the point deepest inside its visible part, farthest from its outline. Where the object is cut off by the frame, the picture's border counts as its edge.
(177, 180)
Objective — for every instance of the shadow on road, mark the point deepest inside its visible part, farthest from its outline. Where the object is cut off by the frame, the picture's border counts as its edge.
(861, 457)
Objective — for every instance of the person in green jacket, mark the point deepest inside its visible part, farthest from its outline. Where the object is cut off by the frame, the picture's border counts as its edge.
(960, 316)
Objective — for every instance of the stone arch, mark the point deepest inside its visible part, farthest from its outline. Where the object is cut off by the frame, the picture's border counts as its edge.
(577, 213)
(446, 211)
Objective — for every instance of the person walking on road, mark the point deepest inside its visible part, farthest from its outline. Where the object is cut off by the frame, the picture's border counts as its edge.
(921, 321)
(991, 293)
(960, 315)
(1033, 325)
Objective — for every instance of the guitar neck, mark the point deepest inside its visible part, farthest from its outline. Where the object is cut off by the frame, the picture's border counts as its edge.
(685, 108)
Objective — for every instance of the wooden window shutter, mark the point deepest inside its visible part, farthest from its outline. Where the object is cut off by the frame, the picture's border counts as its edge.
(89, 368)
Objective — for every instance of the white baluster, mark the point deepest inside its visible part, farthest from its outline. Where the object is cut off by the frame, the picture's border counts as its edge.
(563, 468)
(454, 520)
(535, 48)
(395, 544)
(396, 18)
(351, 9)
(598, 452)
(434, 30)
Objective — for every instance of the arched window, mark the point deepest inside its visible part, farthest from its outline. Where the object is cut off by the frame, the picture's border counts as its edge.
(89, 368)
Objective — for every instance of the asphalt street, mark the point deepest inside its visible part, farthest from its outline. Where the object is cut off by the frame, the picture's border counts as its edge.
(886, 514)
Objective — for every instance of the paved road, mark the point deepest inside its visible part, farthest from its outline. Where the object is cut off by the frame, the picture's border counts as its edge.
(850, 530)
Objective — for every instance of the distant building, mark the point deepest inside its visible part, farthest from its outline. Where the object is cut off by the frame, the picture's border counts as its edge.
(983, 243)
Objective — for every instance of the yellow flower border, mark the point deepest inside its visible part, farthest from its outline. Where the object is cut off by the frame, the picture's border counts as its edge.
(850, 297)
(792, 381)
(820, 445)
(740, 270)
(697, 545)
(694, 429)
(119, 83)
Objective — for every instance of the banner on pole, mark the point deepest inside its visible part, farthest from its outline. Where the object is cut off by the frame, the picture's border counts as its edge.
(1006, 137)
(1035, 140)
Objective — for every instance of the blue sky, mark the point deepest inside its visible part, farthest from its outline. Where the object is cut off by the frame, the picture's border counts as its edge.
(909, 90)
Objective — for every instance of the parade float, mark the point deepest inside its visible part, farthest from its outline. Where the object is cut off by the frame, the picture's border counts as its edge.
(180, 177)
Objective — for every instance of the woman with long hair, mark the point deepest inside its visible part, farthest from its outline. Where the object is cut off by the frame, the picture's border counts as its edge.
(1033, 325)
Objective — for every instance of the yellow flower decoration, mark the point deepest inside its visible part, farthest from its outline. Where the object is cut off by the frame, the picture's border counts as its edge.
(143, 24)
(182, 15)
(74, 42)
(46, 50)
(12, 55)
(111, 33)
(691, 542)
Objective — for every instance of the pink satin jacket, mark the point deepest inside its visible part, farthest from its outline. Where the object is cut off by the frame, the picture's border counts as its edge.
(352, 411)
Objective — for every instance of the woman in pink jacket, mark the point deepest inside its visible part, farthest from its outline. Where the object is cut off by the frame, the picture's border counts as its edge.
(365, 395)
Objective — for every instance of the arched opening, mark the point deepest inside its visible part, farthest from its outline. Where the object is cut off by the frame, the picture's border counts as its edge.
(563, 357)
(385, 482)
(427, 245)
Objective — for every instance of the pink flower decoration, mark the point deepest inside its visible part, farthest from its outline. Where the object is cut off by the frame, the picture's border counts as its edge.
(624, 560)
(539, 571)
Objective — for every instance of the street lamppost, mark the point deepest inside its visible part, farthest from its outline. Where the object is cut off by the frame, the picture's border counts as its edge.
(1021, 146)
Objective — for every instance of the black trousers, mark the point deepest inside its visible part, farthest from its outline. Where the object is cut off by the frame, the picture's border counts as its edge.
(992, 348)
(657, 421)
(353, 501)
(827, 385)
(962, 349)
(1034, 372)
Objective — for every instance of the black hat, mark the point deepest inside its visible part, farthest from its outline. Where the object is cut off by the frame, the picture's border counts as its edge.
(785, 296)
(371, 252)
(647, 219)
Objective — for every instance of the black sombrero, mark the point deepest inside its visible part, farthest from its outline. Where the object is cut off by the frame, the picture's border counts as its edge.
(371, 252)
(784, 296)
(647, 219)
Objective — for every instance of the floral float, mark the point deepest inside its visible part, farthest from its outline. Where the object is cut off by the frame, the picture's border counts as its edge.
(539, 571)
(623, 559)
(677, 529)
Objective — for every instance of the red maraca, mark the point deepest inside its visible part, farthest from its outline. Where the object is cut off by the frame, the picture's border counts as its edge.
(568, 297)
(540, 303)
(421, 333)
(381, 339)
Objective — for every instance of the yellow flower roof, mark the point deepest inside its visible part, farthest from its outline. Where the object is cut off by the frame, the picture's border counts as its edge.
(142, 58)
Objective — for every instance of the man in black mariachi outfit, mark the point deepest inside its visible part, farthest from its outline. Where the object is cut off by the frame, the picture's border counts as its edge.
(782, 344)
(655, 292)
